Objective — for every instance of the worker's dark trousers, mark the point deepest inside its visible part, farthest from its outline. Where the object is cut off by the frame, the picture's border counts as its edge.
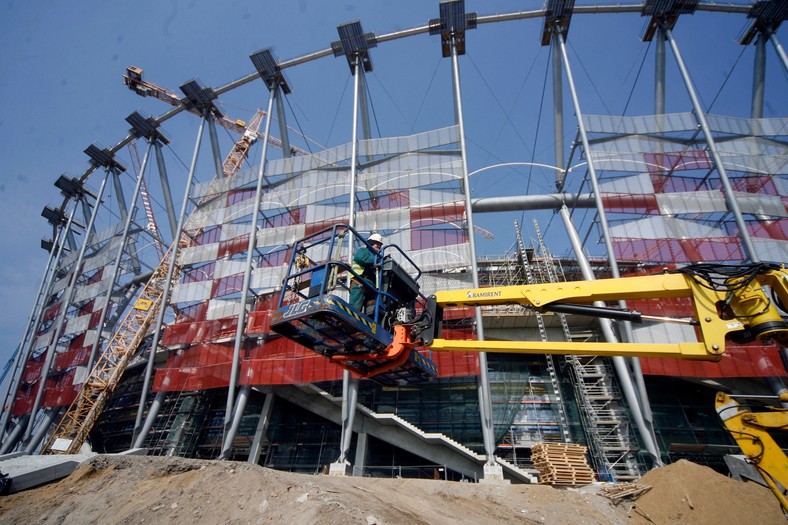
(357, 295)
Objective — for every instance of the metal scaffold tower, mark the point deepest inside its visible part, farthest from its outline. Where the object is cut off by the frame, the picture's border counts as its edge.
(611, 443)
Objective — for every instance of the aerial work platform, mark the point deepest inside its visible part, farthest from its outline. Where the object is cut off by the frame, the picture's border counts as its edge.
(369, 344)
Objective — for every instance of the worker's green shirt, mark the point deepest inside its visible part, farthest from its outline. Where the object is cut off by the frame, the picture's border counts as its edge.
(363, 262)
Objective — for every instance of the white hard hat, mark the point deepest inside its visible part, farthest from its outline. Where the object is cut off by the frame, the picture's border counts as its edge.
(375, 237)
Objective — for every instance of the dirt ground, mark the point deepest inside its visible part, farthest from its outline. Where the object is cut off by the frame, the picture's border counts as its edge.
(133, 489)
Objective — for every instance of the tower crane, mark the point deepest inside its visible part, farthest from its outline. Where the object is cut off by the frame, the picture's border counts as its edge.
(236, 157)
(134, 81)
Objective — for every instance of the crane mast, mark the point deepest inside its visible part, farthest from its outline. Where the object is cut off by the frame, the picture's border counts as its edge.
(151, 226)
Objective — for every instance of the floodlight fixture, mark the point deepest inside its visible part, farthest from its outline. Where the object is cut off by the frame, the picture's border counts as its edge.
(54, 216)
(200, 98)
(146, 127)
(103, 157)
(557, 16)
(451, 25)
(266, 66)
(665, 13)
(767, 15)
(354, 44)
(47, 244)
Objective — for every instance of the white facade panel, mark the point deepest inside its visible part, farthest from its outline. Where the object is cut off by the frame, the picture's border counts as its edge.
(190, 292)
(664, 227)
(83, 293)
(199, 254)
(761, 204)
(227, 267)
(220, 308)
(431, 283)
(266, 280)
(442, 257)
(280, 236)
(691, 202)
(771, 250)
(77, 325)
(664, 333)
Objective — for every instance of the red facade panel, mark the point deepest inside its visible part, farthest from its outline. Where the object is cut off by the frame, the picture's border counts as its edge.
(630, 203)
(752, 360)
(279, 361)
(678, 250)
(23, 404)
(259, 323)
(33, 369)
(199, 332)
(72, 358)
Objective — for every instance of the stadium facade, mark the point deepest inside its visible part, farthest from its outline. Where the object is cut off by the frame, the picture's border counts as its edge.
(206, 378)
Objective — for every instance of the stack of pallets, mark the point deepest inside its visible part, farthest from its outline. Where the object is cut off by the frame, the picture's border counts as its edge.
(562, 464)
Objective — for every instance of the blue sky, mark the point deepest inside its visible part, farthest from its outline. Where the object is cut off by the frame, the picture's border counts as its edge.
(61, 84)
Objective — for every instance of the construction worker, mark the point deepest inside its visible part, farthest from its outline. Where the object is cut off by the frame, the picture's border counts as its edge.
(364, 266)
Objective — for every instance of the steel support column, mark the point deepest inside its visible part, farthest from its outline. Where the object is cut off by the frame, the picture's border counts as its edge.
(68, 296)
(730, 197)
(15, 435)
(86, 213)
(217, 154)
(26, 344)
(558, 119)
(138, 436)
(50, 415)
(758, 76)
(262, 428)
(284, 136)
(364, 108)
(779, 49)
(120, 198)
(350, 383)
(236, 415)
(360, 459)
(485, 403)
(230, 430)
(659, 74)
(153, 411)
(636, 401)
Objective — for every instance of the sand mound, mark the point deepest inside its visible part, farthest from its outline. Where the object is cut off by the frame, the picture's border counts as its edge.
(133, 489)
(687, 493)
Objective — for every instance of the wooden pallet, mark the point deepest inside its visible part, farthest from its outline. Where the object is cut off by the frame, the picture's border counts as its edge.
(561, 464)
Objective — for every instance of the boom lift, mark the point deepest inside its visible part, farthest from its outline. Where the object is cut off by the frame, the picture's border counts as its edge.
(728, 301)
(390, 341)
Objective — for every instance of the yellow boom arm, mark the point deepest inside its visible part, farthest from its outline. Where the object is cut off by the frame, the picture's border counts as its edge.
(751, 432)
(740, 308)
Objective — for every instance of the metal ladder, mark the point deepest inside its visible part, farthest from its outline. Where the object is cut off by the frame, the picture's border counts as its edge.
(551, 369)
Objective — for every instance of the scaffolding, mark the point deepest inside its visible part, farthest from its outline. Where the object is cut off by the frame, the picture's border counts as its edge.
(611, 442)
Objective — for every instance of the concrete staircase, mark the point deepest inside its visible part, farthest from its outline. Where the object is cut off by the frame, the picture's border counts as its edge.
(392, 429)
